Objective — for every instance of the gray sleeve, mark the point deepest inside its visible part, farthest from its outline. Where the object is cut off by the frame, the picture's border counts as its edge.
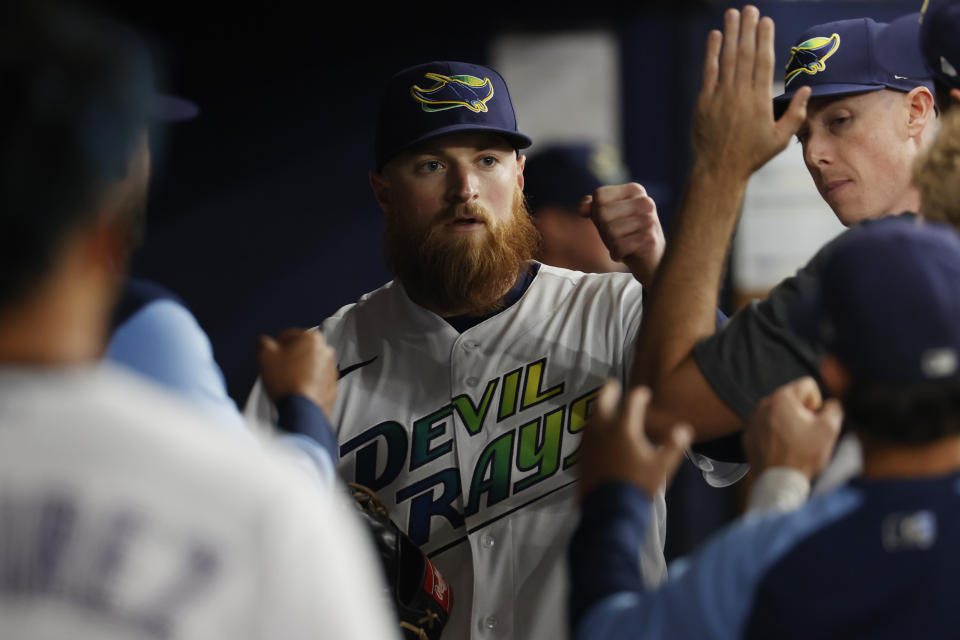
(755, 352)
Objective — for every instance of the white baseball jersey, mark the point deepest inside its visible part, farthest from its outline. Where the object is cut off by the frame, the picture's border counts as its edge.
(471, 438)
(123, 514)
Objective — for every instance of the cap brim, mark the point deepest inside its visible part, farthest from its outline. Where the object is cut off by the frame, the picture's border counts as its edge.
(172, 109)
(781, 102)
(518, 140)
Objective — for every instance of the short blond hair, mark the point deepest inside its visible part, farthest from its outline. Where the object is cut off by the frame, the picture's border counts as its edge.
(936, 173)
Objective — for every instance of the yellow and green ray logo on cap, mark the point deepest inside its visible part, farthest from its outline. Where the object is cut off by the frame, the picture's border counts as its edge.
(451, 92)
(811, 56)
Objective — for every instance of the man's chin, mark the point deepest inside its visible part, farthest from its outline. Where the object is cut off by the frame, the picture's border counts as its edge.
(466, 270)
(460, 239)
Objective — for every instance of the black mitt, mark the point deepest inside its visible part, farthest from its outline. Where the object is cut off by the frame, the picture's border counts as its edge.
(422, 597)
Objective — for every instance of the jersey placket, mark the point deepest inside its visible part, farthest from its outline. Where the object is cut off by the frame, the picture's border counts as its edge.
(492, 609)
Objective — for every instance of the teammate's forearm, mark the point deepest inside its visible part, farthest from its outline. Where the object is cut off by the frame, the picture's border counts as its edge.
(683, 301)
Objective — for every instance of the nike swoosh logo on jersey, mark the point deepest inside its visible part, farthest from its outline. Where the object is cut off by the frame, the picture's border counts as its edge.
(354, 367)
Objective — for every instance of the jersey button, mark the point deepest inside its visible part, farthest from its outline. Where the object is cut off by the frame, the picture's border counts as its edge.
(487, 541)
(472, 382)
(470, 345)
(491, 622)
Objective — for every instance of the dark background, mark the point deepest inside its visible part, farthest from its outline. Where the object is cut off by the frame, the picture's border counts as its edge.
(261, 216)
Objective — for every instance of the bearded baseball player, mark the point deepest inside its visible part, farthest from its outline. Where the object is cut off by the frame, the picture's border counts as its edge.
(465, 382)
(858, 98)
(124, 513)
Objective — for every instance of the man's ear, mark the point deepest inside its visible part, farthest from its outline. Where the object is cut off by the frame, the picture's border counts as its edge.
(381, 191)
(521, 163)
(835, 376)
(920, 110)
(107, 246)
(955, 96)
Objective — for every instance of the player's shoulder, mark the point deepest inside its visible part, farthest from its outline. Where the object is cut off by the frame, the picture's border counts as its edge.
(145, 427)
(779, 533)
(578, 283)
(371, 303)
(138, 294)
(758, 542)
(816, 263)
(579, 278)
(386, 313)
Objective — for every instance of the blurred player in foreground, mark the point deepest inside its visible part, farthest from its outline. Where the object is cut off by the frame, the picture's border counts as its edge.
(123, 511)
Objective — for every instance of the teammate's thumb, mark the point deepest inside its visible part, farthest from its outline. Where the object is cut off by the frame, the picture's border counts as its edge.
(584, 208)
(808, 391)
(832, 414)
(673, 448)
(265, 347)
(793, 117)
(607, 401)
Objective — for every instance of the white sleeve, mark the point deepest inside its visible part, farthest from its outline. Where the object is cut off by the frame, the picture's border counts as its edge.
(847, 462)
(780, 488)
(259, 409)
(321, 576)
(631, 304)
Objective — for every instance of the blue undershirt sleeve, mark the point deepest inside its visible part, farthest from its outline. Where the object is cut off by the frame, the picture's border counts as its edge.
(300, 415)
(304, 425)
(164, 342)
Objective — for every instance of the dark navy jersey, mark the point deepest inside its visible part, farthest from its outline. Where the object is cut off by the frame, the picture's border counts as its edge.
(874, 559)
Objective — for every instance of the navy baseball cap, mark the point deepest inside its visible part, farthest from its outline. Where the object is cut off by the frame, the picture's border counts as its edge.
(854, 56)
(78, 95)
(439, 98)
(50, 28)
(162, 107)
(562, 174)
(939, 41)
(887, 302)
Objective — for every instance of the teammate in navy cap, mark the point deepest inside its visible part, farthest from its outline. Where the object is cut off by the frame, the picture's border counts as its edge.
(556, 180)
(885, 309)
(861, 120)
(870, 100)
(465, 381)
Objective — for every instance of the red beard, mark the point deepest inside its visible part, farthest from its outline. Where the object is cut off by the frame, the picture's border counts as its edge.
(461, 273)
